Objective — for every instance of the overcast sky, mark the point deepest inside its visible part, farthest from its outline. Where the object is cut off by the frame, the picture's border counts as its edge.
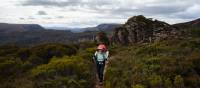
(84, 13)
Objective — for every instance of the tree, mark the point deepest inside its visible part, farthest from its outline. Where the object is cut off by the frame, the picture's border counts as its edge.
(102, 38)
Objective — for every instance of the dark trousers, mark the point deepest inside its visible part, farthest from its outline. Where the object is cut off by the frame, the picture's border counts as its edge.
(100, 69)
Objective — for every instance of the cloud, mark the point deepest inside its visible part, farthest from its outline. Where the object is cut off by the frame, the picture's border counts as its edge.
(190, 13)
(60, 17)
(63, 3)
(122, 7)
(31, 18)
(21, 18)
(41, 13)
(91, 12)
(48, 18)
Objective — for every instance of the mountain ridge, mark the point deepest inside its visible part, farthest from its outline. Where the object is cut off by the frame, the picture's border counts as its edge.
(101, 27)
(190, 24)
(8, 27)
(136, 29)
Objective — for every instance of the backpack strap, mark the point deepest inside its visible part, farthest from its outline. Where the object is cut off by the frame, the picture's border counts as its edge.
(95, 56)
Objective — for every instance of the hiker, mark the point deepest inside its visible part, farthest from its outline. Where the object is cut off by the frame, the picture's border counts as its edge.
(101, 56)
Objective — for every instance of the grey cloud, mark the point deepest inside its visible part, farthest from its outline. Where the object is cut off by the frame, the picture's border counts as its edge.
(184, 15)
(60, 17)
(42, 13)
(64, 3)
(190, 13)
(48, 18)
(164, 8)
(161, 7)
(22, 18)
(49, 3)
(31, 18)
(168, 11)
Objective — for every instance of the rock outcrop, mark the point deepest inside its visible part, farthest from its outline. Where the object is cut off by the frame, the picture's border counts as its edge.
(139, 29)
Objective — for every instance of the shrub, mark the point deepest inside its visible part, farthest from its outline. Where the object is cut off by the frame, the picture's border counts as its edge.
(178, 81)
(138, 86)
(43, 53)
(155, 81)
(68, 71)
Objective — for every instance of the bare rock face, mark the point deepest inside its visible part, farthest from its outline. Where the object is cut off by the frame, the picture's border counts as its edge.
(139, 29)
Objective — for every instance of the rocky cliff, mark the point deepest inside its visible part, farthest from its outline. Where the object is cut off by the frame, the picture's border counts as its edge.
(140, 29)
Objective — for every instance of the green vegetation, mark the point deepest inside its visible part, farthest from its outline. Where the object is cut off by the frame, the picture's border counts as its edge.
(172, 63)
(47, 66)
(72, 71)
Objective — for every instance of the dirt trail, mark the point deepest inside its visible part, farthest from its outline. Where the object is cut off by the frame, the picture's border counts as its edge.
(105, 69)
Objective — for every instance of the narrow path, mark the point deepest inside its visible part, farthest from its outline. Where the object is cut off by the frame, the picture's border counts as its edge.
(105, 69)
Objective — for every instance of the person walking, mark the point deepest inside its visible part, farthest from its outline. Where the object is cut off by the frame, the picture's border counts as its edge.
(101, 57)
